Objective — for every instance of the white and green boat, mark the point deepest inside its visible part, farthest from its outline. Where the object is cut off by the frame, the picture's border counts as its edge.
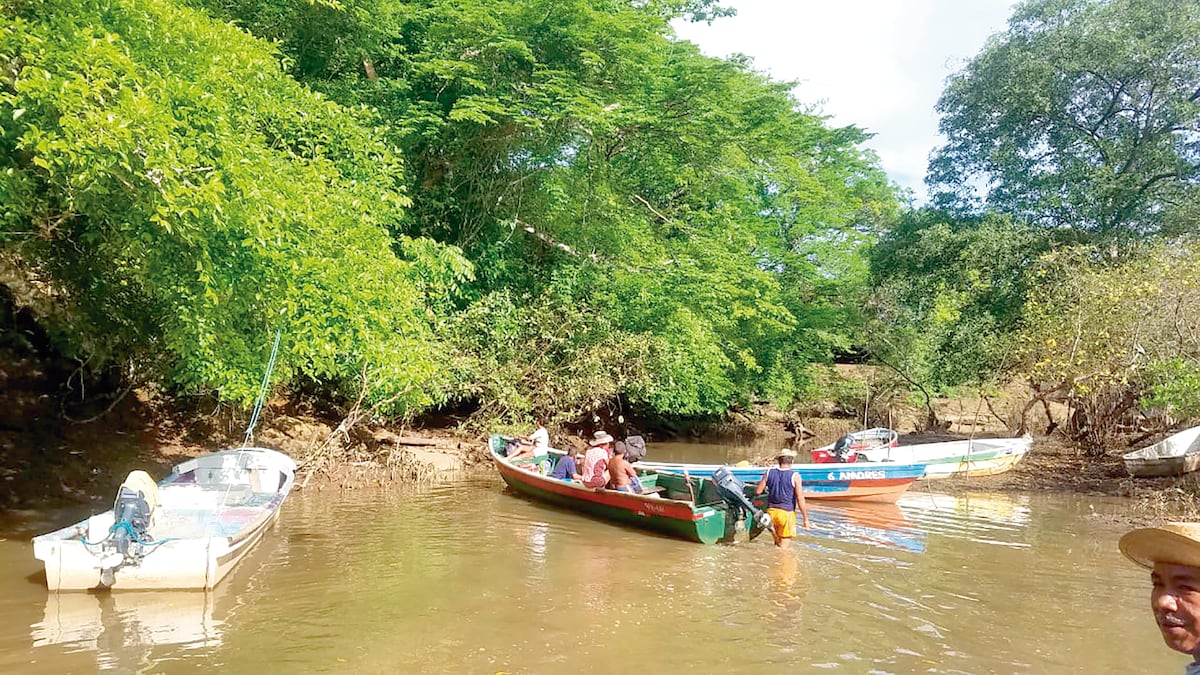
(956, 459)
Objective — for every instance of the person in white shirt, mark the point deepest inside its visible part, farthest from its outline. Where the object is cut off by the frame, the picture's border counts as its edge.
(535, 444)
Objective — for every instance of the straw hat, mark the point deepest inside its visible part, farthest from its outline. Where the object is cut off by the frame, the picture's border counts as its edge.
(601, 437)
(786, 452)
(1177, 543)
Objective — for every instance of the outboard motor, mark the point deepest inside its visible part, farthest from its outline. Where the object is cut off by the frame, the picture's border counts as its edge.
(131, 508)
(733, 491)
(843, 450)
(133, 511)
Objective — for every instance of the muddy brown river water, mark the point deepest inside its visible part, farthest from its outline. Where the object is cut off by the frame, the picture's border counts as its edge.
(466, 577)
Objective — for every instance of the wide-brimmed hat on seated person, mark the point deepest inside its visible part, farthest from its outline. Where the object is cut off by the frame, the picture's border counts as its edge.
(1177, 543)
(786, 452)
(600, 438)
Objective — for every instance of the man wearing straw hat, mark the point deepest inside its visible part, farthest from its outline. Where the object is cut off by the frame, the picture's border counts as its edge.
(595, 461)
(785, 495)
(1172, 552)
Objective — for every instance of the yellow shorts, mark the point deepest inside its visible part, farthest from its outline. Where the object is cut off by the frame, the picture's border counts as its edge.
(784, 522)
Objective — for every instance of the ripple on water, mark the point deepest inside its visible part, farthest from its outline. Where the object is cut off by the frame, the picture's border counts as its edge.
(469, 578)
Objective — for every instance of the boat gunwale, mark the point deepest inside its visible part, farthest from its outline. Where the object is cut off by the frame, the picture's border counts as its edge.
(698, 512)
(218, 553)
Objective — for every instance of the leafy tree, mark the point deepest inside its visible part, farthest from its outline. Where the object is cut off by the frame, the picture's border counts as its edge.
(645, 222)
(948, 296)
(183, 198)
(587, 162)
(1113, 337)
(1082, 115)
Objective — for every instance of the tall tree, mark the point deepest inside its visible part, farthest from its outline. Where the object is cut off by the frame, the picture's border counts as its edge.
(179, 198)
(1082, 115)
(689, 208)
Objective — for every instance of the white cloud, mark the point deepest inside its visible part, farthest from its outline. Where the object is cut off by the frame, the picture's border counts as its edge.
(876, 64)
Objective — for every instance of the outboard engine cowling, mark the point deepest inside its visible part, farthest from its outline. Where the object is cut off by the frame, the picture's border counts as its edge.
(731, 487)
(843, 450)
(132, 508)
(733, 491)
(127, 540)
(635, 448)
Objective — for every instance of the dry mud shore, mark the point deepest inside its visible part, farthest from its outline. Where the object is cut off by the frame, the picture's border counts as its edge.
(48, 462)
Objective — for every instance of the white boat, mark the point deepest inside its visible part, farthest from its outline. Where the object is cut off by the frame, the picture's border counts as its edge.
(956, 459)
(1176, 454)
(855, 442)
(187, 532)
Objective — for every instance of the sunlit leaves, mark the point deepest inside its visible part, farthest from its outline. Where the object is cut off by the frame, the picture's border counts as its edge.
(1082, 115)
(189, 199)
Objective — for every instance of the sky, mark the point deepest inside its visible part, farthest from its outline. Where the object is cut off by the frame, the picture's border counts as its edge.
(877, 64)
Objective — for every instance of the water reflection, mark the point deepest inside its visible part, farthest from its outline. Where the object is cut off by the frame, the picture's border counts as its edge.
(984, 518)
(467, 578)
(883, 525)
(118, 625)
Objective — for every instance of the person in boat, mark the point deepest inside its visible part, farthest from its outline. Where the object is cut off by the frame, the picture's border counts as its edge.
(540, 438)
(595, 461)
(536, 444)
(622, 476)
(785, 496)
(567, 468)
(1172, 554)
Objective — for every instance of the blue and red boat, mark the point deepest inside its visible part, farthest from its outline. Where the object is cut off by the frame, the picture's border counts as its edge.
(857, 481)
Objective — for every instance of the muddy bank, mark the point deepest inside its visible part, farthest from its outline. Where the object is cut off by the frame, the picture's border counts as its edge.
(46, 459)
(49, 461)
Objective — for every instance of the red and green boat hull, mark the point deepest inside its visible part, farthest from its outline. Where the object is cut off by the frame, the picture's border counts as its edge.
(673, 517)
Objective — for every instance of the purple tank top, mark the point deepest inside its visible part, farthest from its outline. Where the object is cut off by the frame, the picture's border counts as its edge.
(781, 494)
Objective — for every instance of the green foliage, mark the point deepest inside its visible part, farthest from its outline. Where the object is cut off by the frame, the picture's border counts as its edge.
(587, 162)
(540, 357)
(646, 222)
(1082, 116)
(165, 180)
(948, 295)
(1105, 333)
(1174, 385)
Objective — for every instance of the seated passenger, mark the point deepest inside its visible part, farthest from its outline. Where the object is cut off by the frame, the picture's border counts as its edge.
(519, 448)
(623, 476)
(595, 462)
(540, 439)
(567, 468)
(536, 444)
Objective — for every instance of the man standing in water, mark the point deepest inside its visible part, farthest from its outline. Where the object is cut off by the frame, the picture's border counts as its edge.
(1172, 552)
(785, 495)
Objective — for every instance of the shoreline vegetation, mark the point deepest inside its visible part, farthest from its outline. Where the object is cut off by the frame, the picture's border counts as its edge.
(464, 216)
(73, 464)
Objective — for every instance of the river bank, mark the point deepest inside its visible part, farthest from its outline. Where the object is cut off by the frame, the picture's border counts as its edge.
(48, 458)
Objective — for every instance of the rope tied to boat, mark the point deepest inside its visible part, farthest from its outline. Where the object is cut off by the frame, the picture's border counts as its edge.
(133, 535)
(262, 391)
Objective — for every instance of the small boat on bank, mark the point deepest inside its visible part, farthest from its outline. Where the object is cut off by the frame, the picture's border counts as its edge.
(689, 508)
(846, 448)
(857, 481)
(956, 459)
(1173, 456)
(186, 532)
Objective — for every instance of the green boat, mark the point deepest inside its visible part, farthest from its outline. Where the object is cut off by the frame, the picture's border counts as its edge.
(691, 508)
